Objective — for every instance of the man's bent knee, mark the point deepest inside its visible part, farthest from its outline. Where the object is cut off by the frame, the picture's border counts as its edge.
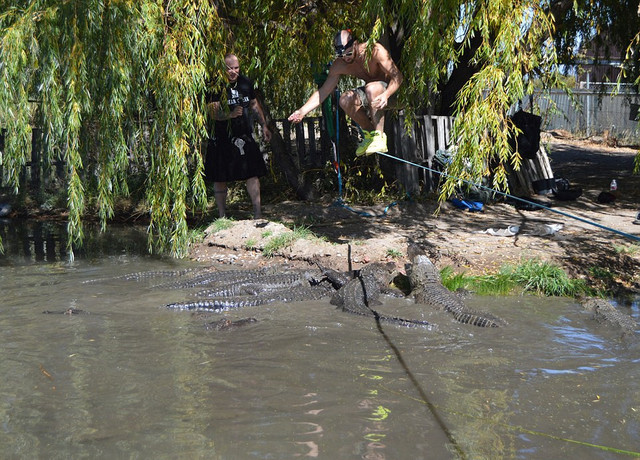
(350, 101)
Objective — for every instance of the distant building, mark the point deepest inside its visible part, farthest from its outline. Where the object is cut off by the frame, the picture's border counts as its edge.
(599, 65)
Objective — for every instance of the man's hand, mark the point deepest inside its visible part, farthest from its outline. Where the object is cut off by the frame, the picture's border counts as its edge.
(296, 117)
(380, 102)
(266, 133)
(236, 112)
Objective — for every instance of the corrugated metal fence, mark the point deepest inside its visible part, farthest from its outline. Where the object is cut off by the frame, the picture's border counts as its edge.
(596, 114)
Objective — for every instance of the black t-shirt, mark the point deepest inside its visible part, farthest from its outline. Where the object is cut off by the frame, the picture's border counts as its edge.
(241, 92)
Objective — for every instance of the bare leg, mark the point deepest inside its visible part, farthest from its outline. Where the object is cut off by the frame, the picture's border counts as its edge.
(220, 193)
(369, 120)
(373, 90)
(350, 103)
(253, 188)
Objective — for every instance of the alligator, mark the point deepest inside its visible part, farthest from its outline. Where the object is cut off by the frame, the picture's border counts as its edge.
(138, 276)
(336, 278)
(68, 311)
(604, 312)
(360, 293)
(427, 289)
(226, 324)
(354, 291)
(291, 294)
(214, 277)
(258, 284)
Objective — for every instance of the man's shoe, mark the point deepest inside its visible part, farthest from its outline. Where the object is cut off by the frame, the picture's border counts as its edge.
(366, 140)
(378, 143)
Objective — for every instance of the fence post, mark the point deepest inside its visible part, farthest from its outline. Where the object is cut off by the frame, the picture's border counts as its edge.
(36, 136)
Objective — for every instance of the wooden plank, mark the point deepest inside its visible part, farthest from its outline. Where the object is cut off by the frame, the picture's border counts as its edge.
(441, 133)
(448, 124)
(286, 134)
(429, 137)
(545, 162)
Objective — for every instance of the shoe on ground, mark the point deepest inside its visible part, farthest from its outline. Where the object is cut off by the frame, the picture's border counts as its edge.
(366, 140)
(378, 143)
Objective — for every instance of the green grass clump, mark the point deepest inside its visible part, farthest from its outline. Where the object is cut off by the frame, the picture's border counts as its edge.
(195, 235)
(495, 284)
(544, 278)
(530, 276)
(631, 249)
(222, 223)
(394, 253)
(286, 239)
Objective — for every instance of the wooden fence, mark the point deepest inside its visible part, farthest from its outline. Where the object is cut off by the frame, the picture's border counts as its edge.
(35, 172)
(309, 144)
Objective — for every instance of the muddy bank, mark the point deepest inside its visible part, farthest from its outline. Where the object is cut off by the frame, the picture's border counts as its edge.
(581, 239)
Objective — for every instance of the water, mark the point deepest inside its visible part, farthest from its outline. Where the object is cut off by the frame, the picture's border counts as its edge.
(132, 379)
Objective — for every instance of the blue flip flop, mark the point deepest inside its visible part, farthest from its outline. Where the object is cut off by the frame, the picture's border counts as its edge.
(467, 205)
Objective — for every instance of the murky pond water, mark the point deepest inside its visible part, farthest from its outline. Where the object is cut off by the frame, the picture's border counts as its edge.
(132, 379)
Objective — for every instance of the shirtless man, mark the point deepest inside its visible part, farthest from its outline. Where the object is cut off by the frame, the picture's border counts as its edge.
(365, 105)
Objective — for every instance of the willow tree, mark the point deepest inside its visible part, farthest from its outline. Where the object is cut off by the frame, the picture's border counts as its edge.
(118, 86)
(113, 85)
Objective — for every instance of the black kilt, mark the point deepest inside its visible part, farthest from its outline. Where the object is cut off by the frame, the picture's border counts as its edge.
(226, 162)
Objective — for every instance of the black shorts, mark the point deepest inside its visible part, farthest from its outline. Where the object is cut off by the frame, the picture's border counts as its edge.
(233, 159)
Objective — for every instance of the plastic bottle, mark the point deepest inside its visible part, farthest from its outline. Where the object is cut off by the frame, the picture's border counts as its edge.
(614, 186)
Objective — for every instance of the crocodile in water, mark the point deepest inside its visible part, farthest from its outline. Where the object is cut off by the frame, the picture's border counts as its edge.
(293, 294)
(359, 294)
(427, 289)
(605, 312)
(257, 284)
(226, 324)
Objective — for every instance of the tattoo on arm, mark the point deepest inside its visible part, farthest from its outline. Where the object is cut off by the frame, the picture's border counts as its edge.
(256, 110)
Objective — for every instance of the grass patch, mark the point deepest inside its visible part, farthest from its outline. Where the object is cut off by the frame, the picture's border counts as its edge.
(496, 284)
(394, 253)
(631, 249)
(286, 239)
(544, 278)
(222, 223)
(530, 276)
(195, 235)
(250, 244)
(601, 273)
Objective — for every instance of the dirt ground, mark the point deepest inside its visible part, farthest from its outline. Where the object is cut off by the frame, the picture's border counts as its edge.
(595, 241)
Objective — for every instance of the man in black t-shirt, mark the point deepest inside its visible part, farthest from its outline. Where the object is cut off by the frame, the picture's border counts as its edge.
(232, 152)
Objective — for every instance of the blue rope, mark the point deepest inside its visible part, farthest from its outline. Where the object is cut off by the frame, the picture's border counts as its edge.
(337, 145)
(619, 232)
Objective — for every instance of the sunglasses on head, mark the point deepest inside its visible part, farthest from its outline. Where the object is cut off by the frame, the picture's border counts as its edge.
(341, 49)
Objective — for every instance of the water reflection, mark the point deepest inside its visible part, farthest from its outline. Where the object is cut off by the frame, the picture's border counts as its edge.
(133, 379)
(34, 241)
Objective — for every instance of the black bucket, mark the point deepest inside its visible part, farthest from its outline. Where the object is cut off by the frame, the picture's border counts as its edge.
(544, 186)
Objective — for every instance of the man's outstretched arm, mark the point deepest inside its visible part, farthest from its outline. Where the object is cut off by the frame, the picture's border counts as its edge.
(316, 98)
